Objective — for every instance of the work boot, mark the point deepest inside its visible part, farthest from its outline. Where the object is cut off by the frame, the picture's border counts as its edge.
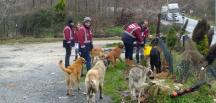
(137, 59)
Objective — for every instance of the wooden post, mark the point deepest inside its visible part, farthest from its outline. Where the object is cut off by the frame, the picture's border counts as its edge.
(158, 26)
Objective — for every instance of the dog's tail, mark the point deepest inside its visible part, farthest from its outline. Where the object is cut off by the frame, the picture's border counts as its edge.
(63, 68)
(92, 87)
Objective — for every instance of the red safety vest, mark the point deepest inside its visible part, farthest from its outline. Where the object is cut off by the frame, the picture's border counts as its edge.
(85, 35)
(134, 31)
(68, 33)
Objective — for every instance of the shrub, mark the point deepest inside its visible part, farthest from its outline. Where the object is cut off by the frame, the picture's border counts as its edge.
(171, 39)
(43, 23)
(152, 29)
(202, 46)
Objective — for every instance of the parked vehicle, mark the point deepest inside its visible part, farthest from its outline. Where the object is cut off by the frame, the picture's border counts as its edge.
(170, 12)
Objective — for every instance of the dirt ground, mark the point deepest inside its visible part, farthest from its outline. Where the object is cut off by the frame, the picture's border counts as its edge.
(29, 74)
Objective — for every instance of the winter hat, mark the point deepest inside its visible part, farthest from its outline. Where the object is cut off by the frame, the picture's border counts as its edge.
(87, 19)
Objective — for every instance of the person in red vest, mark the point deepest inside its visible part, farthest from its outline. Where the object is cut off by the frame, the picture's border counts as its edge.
(85, 36)
(76, 40)
(144, 34)
(68, 41)
(132, 33)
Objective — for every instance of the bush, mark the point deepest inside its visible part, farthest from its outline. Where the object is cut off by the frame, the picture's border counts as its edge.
(42, 23)
(202, 46)
(152, 29)
(45, 22)
(171, 39)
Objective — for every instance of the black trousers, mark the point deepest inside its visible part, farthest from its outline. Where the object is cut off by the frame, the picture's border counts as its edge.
(67, 56)
(128, 51)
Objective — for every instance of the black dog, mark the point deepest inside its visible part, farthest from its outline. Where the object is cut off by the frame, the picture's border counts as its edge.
(155, 59)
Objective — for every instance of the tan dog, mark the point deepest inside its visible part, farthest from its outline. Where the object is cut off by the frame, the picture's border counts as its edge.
(139, 77)
(94, 80)
(72, 73)
(114, 54)
(95, 52)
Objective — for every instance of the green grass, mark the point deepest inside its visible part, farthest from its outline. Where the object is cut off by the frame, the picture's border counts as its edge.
(115, 82)
(114, 31)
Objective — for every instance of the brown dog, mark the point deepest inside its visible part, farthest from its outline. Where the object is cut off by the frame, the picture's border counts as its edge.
(114, 54)
(72, 73)
(94, 80)
(95, 52)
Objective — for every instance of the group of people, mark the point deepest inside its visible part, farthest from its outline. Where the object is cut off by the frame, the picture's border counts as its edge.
(135, 35)
(80, 37)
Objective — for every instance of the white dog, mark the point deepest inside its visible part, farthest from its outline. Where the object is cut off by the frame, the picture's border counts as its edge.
(94, 80)
(138, 79)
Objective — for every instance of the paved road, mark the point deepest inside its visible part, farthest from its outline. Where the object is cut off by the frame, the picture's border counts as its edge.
(29, 74)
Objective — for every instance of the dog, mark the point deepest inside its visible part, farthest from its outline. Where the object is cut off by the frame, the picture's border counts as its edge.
(114, 54)
(155, 59)
(72, 74)
(95, 52)
(139, 77)
(94, 79)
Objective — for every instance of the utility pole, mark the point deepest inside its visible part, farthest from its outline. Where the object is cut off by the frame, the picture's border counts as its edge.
(158, 26)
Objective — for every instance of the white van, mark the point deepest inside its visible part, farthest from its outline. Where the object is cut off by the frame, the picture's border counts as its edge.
(171, 12)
